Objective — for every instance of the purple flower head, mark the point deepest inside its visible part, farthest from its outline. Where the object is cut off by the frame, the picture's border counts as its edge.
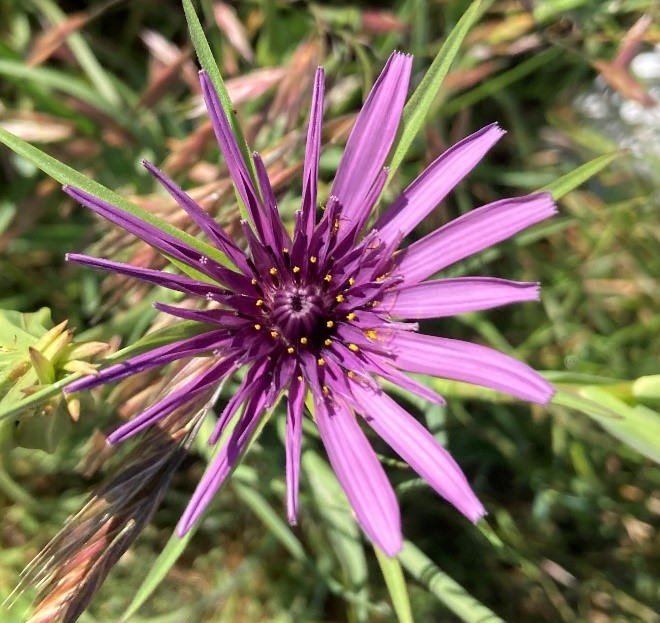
(322, 311)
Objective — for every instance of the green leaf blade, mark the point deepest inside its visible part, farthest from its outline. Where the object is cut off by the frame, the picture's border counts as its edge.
(420, 101)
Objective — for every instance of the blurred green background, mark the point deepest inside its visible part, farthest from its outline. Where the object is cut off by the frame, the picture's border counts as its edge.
(573, 500)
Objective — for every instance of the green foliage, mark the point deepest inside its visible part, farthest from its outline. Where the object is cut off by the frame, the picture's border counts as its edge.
(571, 490)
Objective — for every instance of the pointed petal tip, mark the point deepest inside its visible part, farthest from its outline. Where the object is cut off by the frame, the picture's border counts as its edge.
(476, 513)
(183, 528)
(392, 547)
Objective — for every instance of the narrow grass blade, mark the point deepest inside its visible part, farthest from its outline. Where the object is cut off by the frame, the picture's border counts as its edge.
(64, 174)
(419, 103)
(578, 176)
(396, 586)
(445, 588)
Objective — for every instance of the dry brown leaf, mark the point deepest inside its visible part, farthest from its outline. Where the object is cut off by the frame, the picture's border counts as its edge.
(228, 22)
(51, 40)
(621, 80)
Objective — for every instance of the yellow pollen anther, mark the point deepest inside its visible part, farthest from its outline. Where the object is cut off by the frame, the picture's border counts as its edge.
(351, 281)
(253, 281)
(339, 298)
(328, 278)
(259, 303)
(375, 303)
(335, 227)
(326, 390)
(350, 374)
(299, 377)
(371, 334)
(291, 350)
(296, 269)
(354, 347)
(313, 259)
(320, 361)
(329, 324)
(285, 250)
(350, 316)
(273, 271)
(257, 327)
(274, 334)
(328, 342)
(303, 340)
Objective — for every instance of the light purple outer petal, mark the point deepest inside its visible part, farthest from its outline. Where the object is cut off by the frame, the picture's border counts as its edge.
(415, 445)
(449, 297)
(312, 153)
(361, 476)
(156, 357)
(222, 465)
(471, 363)
(471, 233)
(373, 134)
(200, 384)
(435, 183)
(292, 446)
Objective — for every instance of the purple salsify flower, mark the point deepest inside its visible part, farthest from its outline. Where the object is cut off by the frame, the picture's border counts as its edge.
(321, 311)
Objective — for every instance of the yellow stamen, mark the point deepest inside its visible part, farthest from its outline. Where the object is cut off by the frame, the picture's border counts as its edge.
(273, 271)
(328, 278)
(320, 361)
(296, 269)
(313, 259)
(375, 303)
(253, 281)
(371, 334)
(303, 340)
(326, 390)
(300, 378)
(350, 316)
(285, 250)
(291, 350)
(329, 324)
(351, 281)
(274, 334)
(350, 374)
(354, 347)
(257, 327)
(339, 298)
(259, 303)
(328, 342)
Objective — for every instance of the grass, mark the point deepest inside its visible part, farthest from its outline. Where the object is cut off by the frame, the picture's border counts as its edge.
(572, 503)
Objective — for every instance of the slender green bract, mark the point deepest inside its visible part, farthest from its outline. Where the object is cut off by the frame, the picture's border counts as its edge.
(420, 101)
(396, 586)
(576, 177)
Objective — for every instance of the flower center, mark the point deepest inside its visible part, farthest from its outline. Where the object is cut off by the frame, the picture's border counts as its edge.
(298, 311)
